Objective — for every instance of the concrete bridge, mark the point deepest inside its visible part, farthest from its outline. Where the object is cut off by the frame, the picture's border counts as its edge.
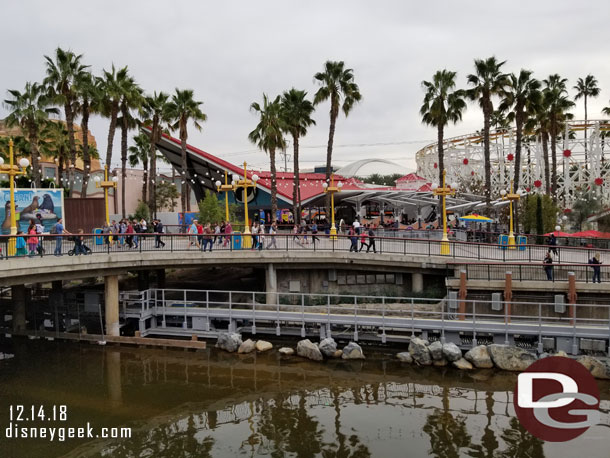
(291, 266)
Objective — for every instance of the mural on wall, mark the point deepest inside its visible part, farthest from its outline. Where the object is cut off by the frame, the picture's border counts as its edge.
(45, 204)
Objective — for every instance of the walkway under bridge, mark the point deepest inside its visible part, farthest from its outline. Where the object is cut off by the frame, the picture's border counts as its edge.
(578, 328)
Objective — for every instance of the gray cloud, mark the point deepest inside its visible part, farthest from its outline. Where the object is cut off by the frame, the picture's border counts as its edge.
(232, 52)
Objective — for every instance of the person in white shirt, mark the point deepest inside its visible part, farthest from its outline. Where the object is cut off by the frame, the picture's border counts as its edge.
(272, 232)
(356, 225)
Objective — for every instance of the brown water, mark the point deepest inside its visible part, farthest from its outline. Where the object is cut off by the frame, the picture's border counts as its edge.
(209, 403)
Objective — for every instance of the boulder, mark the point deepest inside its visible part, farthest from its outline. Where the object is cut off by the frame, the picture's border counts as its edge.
(440, 362)
(420, 352)
(479, 357)
(229, 341)
(436, 350)
(307, 349)
(597, 368)
(352, 351)
(462, 364)
(452, 352)
(263, 345)
(286, 351)
(338, 354)
(328, 347)
(561, 353)
(510, 358)
(247, 346)
(405, 357)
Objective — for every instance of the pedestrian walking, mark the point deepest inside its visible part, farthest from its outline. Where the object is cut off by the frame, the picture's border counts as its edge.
(353, 237)
(595, 261)
(548, 265)
(158, 229)
(59, 230)
(371, 239)
(363, 238)
(552, 242)
(228, 233)
(272, 236)
(193, 234)
(32, 239)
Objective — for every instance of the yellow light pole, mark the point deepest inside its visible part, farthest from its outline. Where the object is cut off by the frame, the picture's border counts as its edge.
(12, 171)
(443, 191)
(332, 189)
(511, 197)
(245, 184)
(226, 188)
(106, 185)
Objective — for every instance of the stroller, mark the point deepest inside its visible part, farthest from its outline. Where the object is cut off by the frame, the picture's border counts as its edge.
(79, 247)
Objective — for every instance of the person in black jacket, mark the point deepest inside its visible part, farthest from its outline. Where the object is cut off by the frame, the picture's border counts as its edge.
(158, 230)
(548, 265)
(595, 261)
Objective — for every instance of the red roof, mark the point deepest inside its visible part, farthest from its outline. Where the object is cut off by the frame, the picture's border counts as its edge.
(310, 183)
(410, 177)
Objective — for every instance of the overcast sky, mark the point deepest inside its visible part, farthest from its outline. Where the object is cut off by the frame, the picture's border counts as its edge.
(231, 52)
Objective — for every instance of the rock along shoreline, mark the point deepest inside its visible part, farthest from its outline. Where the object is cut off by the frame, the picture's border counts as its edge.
(420, 352)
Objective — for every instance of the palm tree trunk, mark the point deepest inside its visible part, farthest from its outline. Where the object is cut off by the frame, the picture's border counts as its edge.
(554, 159)
(329, 150)
(70, 125)
(174, 183)
(518, 141)
(86, 157)
(111, 129)
(33, 139)
(441, 167)
(295, 189)
(586, 161)
(153, 169)
(273, 185)
(184, 188)
(145, 178)
(60, 167)
(545, 156)
(486, 124)
(124, 130)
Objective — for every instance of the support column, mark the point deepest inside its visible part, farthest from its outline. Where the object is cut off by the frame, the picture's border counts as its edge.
(18, 298)
(56, 301)
(161, 278)
(462, 294)
(417, 282)
(111, 296)
(572, 296)
(143, 280)
(271, 284)
(508, 294)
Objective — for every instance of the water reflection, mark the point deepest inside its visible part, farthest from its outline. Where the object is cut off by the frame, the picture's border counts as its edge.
(213, 404)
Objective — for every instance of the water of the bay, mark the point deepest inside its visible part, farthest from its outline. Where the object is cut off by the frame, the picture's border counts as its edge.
(210, 403)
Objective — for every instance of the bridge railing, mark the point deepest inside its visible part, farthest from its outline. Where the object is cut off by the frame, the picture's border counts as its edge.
(351, 314)
(25, 246)
(587, 273)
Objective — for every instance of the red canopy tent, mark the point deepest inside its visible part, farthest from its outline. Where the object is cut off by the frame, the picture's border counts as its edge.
(591, 234)
(559, 234)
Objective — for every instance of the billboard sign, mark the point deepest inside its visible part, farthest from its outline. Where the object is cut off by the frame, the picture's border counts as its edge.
(32, 203)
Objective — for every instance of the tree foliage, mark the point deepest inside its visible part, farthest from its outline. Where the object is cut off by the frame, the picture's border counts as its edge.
(166, 195)
(538, 218)
(210, 209)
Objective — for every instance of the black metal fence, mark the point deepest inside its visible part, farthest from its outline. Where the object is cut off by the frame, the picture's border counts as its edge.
(61, 245)
(533, 272)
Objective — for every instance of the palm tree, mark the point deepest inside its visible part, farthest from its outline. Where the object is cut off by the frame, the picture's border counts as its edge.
(140, 153)
(182, 109)
(606, 111)
(112, 85)
(337, 84)
(131, 98)
(557, 104)
(56, 144)
(268, 136)
(521, 98)
(296, 113)
(89, 94)
(62, 75)
(29, 110)
(586, 88)
(487, 82)
(442, 105)
(154, 112)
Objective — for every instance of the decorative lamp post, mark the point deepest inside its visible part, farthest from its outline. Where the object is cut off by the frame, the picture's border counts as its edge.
(12, 171)
(332, 189)
(511, 197)
(443, 191)
(245, 184)
(226, 188)
(106, 185)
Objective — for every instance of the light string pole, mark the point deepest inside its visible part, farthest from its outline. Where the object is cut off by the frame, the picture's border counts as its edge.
(443, 191)
(12, 171)
(106, 185)
(332, 189)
